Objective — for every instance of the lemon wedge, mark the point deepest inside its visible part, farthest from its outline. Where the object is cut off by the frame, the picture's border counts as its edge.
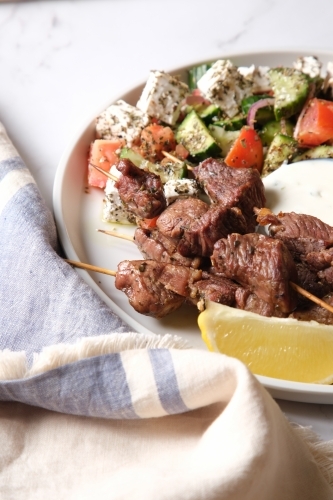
(281, 348)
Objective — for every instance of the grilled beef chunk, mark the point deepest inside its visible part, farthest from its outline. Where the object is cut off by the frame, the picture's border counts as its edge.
(194, 226)
(251, 302)
(301, 233)
(261, 264)
(139, 279)
(141, 191)
(308, 279)
(215, 288)
(219, 289)
(154, 246)
(313, 312)
(232, 187)
(179, 279)
(310, 242)
(180, 216)
(216, 223)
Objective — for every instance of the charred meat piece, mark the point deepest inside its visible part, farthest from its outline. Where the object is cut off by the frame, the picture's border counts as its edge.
(261, 264)
(232, 187)
(141, 191)
(219, 289)
(313, 312)
(179, 279)
(301, 233)
(139, 279)
(216, 223)
(180, 216)
(251, 302)
(215, 288)
(154, 246)
(194, 226)
(310, 242)
(309, 280)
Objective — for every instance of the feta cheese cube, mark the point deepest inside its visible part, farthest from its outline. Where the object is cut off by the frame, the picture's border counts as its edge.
(180, 188)
(121, 120)
(328, 82)
(258, 76)
(224, 86)
(162, 97)
(113, 208)
(310, 65)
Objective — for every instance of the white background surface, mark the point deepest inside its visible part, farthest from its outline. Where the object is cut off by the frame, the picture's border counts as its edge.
(59, 60)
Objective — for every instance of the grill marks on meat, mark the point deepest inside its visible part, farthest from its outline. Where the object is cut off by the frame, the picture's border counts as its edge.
(232, 187)
(141, 191)
(261, 264)
(140, 281)
(195, 226)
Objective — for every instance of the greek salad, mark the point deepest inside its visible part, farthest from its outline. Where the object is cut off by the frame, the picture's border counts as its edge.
(255, 117)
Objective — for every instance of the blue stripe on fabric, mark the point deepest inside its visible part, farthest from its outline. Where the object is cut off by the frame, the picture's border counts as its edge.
(93, 387)
(10, 164)
(166, 381)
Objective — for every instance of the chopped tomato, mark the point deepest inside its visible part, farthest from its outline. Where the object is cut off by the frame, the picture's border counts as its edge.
(148, 223)
(103, 154)
(247, 150)
(181, 152)
(315, 125)
(154, 140)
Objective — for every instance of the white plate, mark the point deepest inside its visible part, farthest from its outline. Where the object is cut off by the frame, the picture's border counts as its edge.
(78, 215)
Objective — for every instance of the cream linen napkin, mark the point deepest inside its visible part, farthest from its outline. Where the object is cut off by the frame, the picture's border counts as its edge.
(90, 410)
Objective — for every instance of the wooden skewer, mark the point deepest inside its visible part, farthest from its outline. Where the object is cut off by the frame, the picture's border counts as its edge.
(110, 176)
(118, 235)
(175, 159)
(309, 296)
(89, 267)
(298, 289)
(171, 157)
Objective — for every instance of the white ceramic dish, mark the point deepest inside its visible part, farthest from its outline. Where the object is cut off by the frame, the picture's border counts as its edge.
(78, 214)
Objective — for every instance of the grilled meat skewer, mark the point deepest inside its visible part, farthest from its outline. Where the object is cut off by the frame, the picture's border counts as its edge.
(232, 187)
(261, 264)
(310, 242)
(194, 226)
(141, 191)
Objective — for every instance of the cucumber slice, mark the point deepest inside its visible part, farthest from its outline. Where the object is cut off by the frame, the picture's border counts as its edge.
(195, 73)
(167, 172)
(290, 88)
(235, 123)
(138, 160)
(196, 138)
(323, 151)
(281, 149)
(272, 128)
(224, 138)
(208, 113)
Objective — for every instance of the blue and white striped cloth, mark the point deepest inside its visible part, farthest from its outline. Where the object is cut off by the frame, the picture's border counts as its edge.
(64, 350)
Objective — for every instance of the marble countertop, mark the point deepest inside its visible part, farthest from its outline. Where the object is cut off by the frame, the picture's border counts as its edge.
(59, 60)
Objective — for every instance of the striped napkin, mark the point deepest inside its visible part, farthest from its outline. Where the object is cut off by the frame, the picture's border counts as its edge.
(165, 421)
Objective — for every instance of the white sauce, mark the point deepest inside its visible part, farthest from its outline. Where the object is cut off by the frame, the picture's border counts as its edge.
(305, 187)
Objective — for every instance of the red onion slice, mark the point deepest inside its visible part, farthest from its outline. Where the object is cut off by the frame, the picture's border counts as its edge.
(305, 107)
(262, 103)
